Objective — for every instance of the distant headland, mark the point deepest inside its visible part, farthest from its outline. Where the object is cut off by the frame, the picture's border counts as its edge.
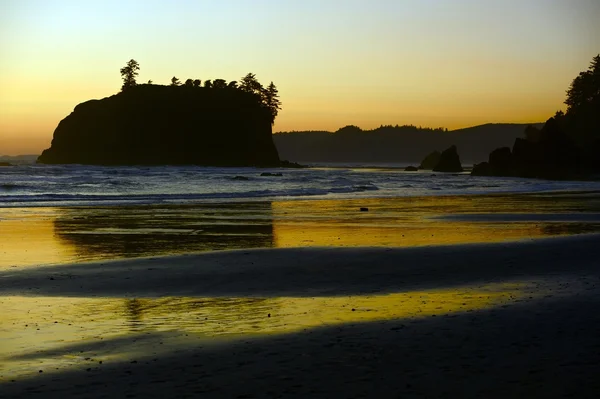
(566, 147)
(210, 123)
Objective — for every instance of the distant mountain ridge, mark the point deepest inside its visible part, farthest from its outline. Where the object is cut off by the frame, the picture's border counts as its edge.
(395, 144)
(19, 159)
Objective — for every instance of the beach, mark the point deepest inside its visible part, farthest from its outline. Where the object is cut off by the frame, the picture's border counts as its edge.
(320, 301)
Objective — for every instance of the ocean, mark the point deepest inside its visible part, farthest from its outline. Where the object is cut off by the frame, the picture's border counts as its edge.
(77, 185)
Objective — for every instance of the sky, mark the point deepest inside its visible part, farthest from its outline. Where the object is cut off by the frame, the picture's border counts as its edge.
(435, 63)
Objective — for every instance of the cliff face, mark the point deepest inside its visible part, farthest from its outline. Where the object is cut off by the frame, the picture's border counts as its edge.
(166, 125)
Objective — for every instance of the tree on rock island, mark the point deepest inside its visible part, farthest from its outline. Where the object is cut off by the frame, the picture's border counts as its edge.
(267, 97)
(219, 84)
(250, 84)
(271, 100)
(585, 88)
(129, 73)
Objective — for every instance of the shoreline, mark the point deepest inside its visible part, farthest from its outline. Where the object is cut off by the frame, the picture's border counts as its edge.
(80, 234)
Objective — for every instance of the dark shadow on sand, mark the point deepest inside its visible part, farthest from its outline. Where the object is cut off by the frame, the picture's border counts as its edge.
(114, 344)
(581, 217)
(547, 348)
(310, 272)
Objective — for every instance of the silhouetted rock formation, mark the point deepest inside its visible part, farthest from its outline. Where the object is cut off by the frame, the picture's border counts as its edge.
(175, 125)
(393, 144)
(449, 161)
(554, 156)
(567, 146)
(431, 160)
(502, 158)
(269, 174)
(288, 164)
(5, 164)
(411, 169)
(501, 163)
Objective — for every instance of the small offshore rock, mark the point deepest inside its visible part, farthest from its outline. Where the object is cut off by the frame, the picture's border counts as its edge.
(271, 174)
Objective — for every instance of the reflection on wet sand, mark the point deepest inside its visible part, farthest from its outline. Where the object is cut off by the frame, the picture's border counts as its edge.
(403, 222)
(36, 236)
(27, 238)
(53, 332)
(158, 230)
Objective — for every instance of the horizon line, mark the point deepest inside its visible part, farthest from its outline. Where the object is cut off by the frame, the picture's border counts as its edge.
(445, 130)
(364, 130)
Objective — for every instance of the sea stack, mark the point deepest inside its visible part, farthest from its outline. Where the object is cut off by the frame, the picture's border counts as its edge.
(167, 125)
(431, 160)
(449, 161)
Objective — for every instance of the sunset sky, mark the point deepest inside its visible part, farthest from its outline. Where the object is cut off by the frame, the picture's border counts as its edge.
(438, 63)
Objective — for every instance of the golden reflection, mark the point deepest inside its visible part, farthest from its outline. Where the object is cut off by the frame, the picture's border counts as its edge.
(37, 236)
(404, 222)
(55, 332)
(149, 230)
(428, 233)
(27, 238)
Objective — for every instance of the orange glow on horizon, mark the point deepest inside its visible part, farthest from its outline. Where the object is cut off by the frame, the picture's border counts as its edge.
(29, 129)
(453, 65)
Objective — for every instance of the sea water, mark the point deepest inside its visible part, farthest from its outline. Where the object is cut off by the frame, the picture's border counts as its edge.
(78, 185)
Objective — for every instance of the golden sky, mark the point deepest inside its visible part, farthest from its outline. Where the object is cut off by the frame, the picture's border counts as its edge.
(439, 63)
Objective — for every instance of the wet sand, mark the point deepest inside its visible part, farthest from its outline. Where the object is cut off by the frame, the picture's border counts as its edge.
(510, 319)
(30, 237)
(473, 296)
